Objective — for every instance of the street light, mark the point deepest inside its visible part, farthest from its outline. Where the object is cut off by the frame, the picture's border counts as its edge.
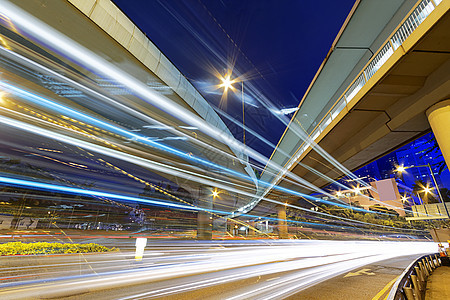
(215, 193)
(227, 83)
(426, 189)
(401, 169)
(404, 199)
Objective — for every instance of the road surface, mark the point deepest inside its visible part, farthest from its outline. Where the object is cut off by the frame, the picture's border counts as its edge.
(258, 269)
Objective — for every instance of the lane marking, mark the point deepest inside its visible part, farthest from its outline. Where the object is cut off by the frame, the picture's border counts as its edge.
(381, 293)
(360, 272)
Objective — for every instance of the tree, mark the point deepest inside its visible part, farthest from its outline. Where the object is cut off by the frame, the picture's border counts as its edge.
(445, 192)
(433, 148)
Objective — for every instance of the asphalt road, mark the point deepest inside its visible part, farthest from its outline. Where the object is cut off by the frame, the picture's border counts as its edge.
(260, 269)
(372, 281)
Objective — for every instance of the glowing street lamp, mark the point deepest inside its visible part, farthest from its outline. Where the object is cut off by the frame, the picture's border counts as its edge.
(227, 83)
(400, 169)
(426, 189)
(215, 193)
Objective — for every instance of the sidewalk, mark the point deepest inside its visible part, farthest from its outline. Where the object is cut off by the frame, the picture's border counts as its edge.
(438, 285)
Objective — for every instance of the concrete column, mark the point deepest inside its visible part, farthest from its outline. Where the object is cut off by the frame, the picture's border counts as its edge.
(204, 219)
(282, 225)
(439, 118)
(251, 232)
(220, 226)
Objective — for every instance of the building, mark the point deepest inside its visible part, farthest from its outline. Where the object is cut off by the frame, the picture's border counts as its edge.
(381, 195)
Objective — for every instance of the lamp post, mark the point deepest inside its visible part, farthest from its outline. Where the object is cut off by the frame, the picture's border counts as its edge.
(402, 169)
(227, 83)
(243, 112)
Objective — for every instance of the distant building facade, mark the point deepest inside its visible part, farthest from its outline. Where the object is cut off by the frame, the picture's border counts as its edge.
(381, 195)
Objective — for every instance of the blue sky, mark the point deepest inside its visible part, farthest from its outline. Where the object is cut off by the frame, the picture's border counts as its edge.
(277, 46)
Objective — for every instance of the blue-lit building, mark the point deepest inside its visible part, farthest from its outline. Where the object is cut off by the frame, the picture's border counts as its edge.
(422, 151)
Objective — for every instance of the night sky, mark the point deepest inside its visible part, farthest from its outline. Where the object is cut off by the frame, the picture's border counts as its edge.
(277, 46)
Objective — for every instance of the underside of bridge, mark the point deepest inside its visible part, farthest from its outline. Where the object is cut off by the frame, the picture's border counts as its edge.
(390, 110)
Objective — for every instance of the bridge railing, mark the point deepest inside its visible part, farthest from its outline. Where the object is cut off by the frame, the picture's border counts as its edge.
(412, 283)
(412, 22)
(415, 18)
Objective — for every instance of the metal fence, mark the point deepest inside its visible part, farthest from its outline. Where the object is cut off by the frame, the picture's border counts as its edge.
(411, 285)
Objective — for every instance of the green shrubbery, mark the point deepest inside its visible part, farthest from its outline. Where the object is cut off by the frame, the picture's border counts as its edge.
(19, 248)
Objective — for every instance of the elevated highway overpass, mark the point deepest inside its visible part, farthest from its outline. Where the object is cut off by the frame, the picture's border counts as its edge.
(86, 67)
(365, 102)
(387, 66)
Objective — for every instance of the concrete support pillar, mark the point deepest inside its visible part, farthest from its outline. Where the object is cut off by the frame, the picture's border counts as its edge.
(204, 219)
(220, 226)
(439, 118)
(282, 225)
(251, 232)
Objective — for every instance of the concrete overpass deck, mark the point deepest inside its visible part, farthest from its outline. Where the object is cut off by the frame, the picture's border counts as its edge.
(113, 38)
(388, 110)
(381, 109)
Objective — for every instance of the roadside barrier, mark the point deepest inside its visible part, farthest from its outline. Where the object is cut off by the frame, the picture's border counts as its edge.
(412, 283)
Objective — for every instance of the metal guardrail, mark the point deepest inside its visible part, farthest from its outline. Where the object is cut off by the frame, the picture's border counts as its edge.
(416, 17)
(411, 284)
(412, 22)
(430, 211)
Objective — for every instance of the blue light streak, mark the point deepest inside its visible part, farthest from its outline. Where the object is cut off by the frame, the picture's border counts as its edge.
(77, 191)
(39, 100)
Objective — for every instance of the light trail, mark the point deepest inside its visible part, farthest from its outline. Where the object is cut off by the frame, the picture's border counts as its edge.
(81, 55)
(42, 101)
(98, 65)
(152, 165)
(78, 191)
(209, 181)
(84, 57)
(67, 139)
(89, 192)
(145, 140)
(303, 263)
(267, 142)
